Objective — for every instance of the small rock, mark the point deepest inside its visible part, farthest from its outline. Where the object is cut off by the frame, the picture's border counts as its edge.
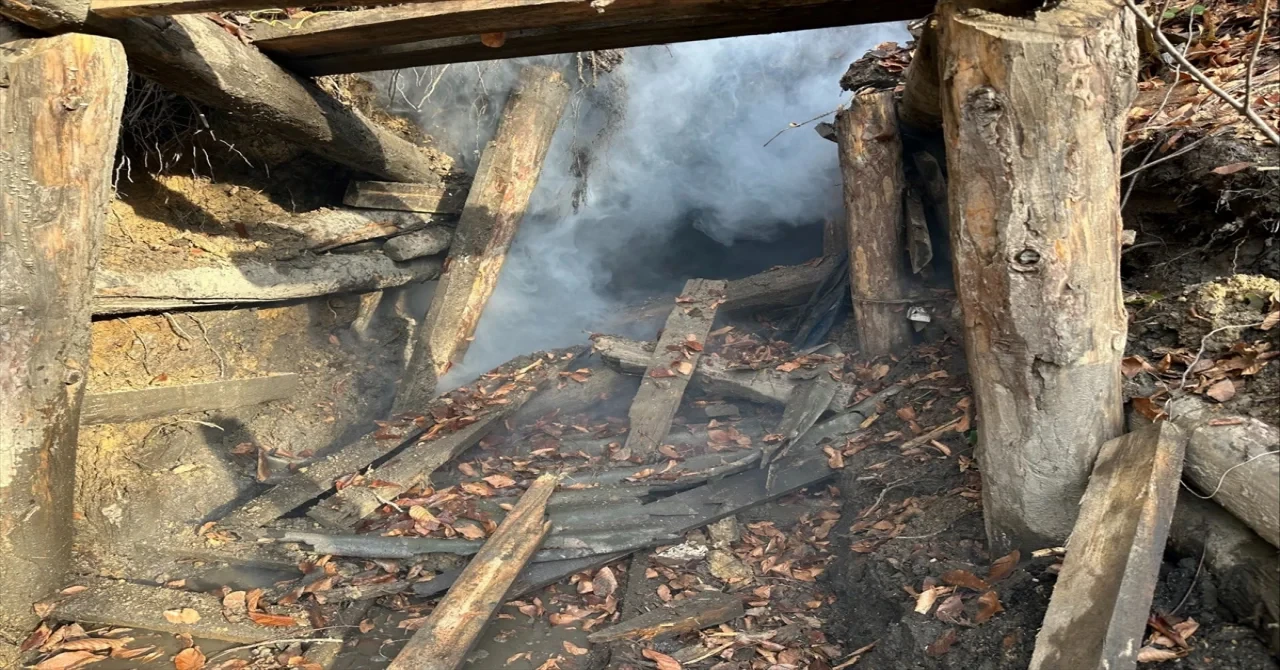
(725, 566)
(724, 532)
(721, 409)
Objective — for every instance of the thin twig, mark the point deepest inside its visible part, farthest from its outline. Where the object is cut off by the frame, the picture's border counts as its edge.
(1195, 72)
(1253, 58)
(1204, 343)
(1203, 550)
(1175, 154)
(792, 126)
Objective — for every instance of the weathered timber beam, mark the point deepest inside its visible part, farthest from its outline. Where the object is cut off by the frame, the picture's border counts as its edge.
(121, 9)
(197, 58)
(703, 22)
(60, 107)
(109, 602)
(1101, 602)
(674, 360)
(119, 291)
(442, 643)
(433, 198)
(1037, 256)
(871, 164)
(157, 401)
(426, 242)
(713, 375)
(703, 610)
(504, 181)
(325, 229)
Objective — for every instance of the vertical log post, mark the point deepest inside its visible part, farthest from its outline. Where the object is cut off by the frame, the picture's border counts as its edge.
(1033, 115)
(60, 109)
(504, 182)
(871, 163)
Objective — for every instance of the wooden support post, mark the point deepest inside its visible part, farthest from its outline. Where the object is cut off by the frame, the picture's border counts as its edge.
(60, 108)
(671, 367)
(871, 162)
(1101, 602)
(454, 625)
(504, 181)
(918, 110)
(1034, 112)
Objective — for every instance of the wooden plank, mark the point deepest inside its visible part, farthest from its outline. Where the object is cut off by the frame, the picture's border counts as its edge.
(442, 643)
(703, 610)
(108, 602)
(325, 229)
(434, 197)
(157, 401)
(504, 181)
(124, 291)
(199, 59)
(713, 375)
(1233, 460)
(123, 9)
(871, 164)
(675, 359)
(674, 22)
(1100, 604)
(416, 245)
(1038, 279)
(60, 107)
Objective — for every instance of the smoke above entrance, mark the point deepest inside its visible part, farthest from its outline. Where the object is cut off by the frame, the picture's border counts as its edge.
(658, 172)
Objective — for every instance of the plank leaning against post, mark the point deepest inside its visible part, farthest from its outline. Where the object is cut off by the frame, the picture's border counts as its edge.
(1033, 114)
(60, 109)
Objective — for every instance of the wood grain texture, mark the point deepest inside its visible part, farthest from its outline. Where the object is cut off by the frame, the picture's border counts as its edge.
(60, 108)
(442, 643)
(1033, 116)
(662, 387)
(432, 197)
(426, 242)
(504, 181)
(1232, 459)
(1098, 613)
(871, 164)
(325, 229)
(158, 401)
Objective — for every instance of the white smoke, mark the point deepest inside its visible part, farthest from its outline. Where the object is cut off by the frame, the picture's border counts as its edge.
(691, 124)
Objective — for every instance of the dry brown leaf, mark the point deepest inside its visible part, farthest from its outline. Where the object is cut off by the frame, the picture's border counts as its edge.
(988, 606)
(420, 513)
(1222, 391)
(470, 531)
(36, 638)
(276, 620)
(965, 579)
(950, 610)
(69, 660)
(605, 582)
(1153, 655)
(1003, 566)
(1232, 168)
(574, 649)
(1270, 320)
(664, 662)
(660, 373)
(1148, 408)
(683, 367)
(500, 481)
(190, 658)
(493, 40)
(943, 644)
(924, 601)
(185, 615)
(93, 644)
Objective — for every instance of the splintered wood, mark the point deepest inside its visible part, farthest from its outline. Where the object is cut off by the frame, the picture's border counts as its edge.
(672, 366)
(504, 181)
(457, 621)
(1099, 609)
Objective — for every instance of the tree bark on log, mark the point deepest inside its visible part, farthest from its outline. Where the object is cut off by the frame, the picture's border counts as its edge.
(918, 109)
(60, 108)
(500, 192)
(325, 229)
(1232, 460)
(120, 292)
(418, 244)
(196, 57)
(1034, 113)
(871, 162)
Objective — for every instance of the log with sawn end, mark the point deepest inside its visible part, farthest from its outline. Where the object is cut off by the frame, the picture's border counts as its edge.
(434, 197)
(713, 375)
(1233, 461)
(1100, 604)
(673, 363)
(417, 461)
(703, 610)
(158, 401)
(442, 643)
(325, 229)
(126, 291)
(504, 181)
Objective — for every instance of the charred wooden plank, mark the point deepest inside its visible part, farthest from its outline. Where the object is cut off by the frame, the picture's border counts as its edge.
(432, 197)
(325, 229)
(1045, 286)
(673, 363)
(110, 602)
(454, 625)
(1101, 602)
(495, 206)
(126, 291)
(703, 610)
(713, 375)
(157, 401)
(60, 107)
(871, 164)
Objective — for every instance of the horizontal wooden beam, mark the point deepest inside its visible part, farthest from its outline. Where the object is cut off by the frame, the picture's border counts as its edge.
(158, 401)
(392, 41)
(121, 9)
